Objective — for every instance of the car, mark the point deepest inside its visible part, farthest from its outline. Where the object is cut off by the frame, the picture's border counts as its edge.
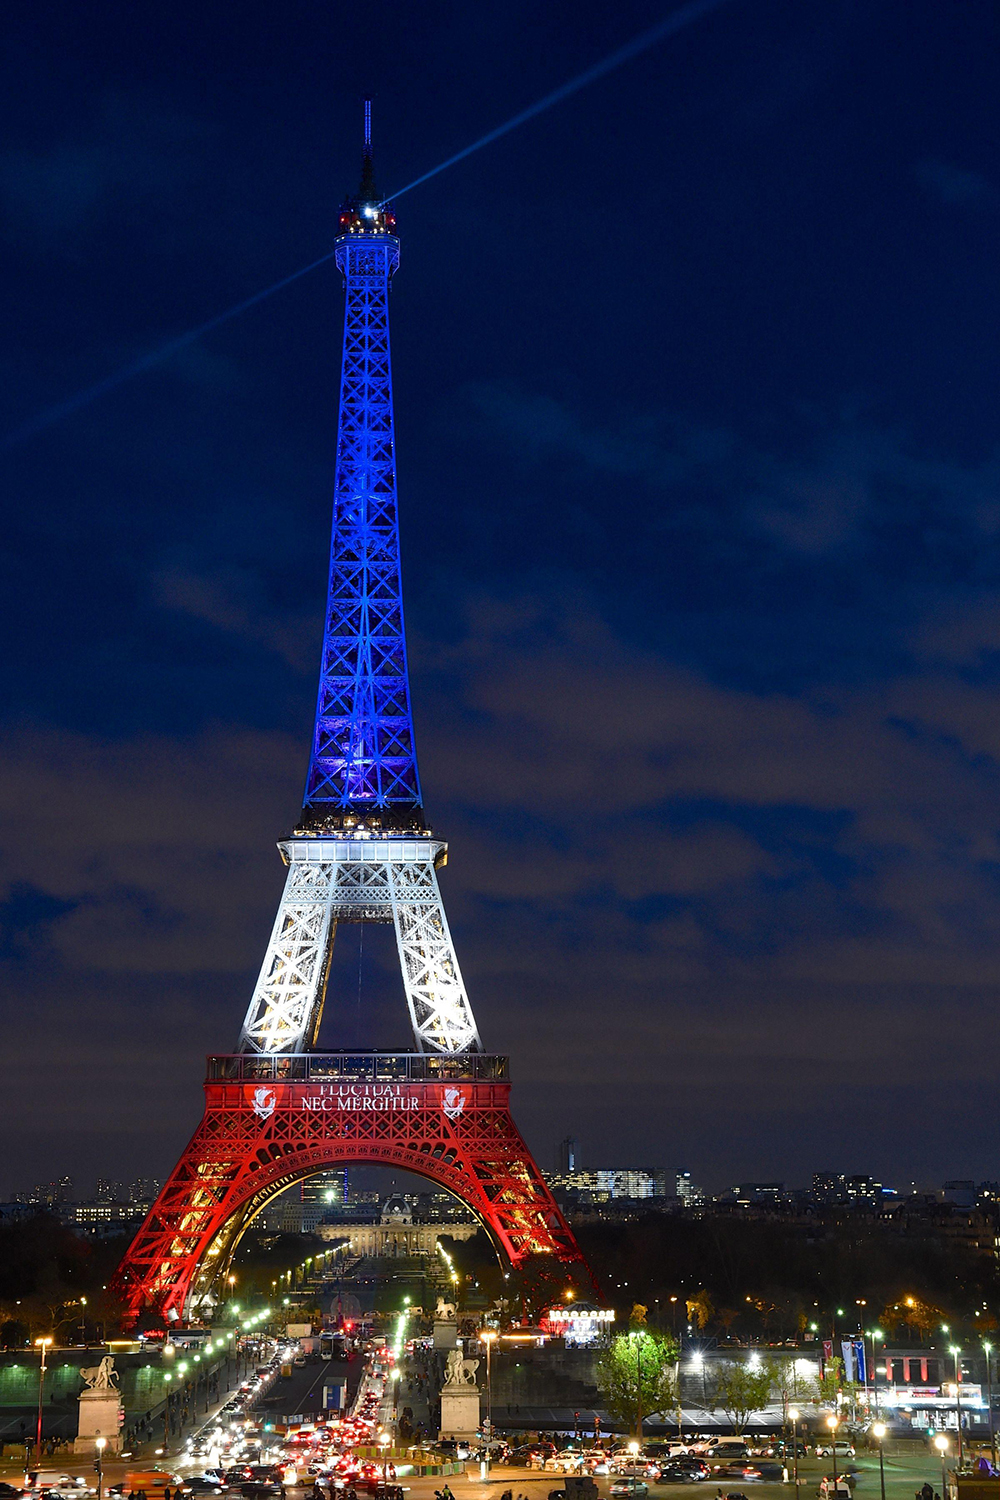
(769, 1472)
(677, 1474)
(200, 1484)
(835, 1489)
(691, 1461)
(8, 1491)
(630, 1487)
(738, 1468)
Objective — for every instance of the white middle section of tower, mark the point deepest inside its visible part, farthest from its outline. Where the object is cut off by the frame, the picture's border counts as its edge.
(359, 880)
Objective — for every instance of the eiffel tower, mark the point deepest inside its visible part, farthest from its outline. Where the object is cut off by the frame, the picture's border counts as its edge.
(277, 1110)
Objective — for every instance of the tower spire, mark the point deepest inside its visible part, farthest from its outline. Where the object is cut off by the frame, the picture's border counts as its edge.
(367, 192)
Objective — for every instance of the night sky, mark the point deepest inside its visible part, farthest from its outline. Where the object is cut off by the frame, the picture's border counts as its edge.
(696, 398)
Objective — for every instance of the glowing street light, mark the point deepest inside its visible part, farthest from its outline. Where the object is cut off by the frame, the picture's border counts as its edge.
(793, 1417)
(43, 1345)
(633, 1449)
(100, 1444)
(832, 1423)
(489, 1338)
(878, 1433)
(955, 1351)
(941, 1444)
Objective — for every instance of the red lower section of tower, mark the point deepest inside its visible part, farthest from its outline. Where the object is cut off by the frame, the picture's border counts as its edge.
(270, 1121)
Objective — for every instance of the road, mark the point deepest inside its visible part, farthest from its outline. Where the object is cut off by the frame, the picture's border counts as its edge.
(301, 1393)
(907, 1466)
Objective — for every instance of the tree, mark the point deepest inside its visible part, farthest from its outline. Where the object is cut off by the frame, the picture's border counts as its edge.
(788, 1385)
(740, 1391)
(699, 1308)
(636, 1375)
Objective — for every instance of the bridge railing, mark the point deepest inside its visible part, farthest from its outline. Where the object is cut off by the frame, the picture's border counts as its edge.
(359, 1067)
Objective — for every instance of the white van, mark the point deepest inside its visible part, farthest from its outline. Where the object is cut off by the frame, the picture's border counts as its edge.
(720, 1450)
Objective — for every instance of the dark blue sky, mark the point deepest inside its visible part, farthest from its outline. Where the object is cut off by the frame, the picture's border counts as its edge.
(696, 386)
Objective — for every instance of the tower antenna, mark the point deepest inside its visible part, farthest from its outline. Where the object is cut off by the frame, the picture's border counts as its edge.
(367, 192)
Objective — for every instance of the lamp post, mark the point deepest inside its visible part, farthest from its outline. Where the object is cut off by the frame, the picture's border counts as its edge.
(633, 1449)
(489, 1338)
(383, 1443)
(989, 1399)
(831, 1422)
(878, 1432)
(876, 1333)
(955, 1351)
(793, 1417)
(941, 1444)
(100, 1443)
(43, 1345)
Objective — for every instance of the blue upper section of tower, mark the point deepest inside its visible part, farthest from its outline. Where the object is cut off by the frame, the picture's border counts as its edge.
(363, 767)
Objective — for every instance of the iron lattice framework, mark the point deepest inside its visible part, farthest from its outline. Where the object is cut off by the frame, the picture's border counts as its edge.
(363, 755)
(276, 1111)
(266, 1127)
(359, 880)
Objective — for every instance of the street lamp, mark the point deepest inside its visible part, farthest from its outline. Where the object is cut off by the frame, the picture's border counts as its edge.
(989, 1397)
(831, 1422)
(383, 1442)
(955, 1351)
(878, 1432)
(793, 1417)
(43, 1345)
(100, 1443)
(941, 1444)
(633, 1449)
(876, 1333)
(489, 1338)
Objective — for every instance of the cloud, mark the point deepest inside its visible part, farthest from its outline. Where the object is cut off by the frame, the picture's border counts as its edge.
(838, 483)
(233, 601)
(646, 864)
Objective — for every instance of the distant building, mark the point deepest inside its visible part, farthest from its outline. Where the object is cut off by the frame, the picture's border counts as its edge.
(770, 1193)
(47, 1194)
(144, 1190)
(102, 1218)
(568, 1158)
(632, 1184)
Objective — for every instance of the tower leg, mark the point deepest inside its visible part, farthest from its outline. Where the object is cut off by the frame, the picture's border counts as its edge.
(271, 1121)
(440, 1012)
(341, 880)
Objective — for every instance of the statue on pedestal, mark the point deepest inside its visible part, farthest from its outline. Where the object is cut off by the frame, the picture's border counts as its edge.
(102, 1377)
(459, 1370)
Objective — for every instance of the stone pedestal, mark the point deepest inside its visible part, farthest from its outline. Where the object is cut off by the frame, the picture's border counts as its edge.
(100, 1416)
(445, 1333)
(459, 1411)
